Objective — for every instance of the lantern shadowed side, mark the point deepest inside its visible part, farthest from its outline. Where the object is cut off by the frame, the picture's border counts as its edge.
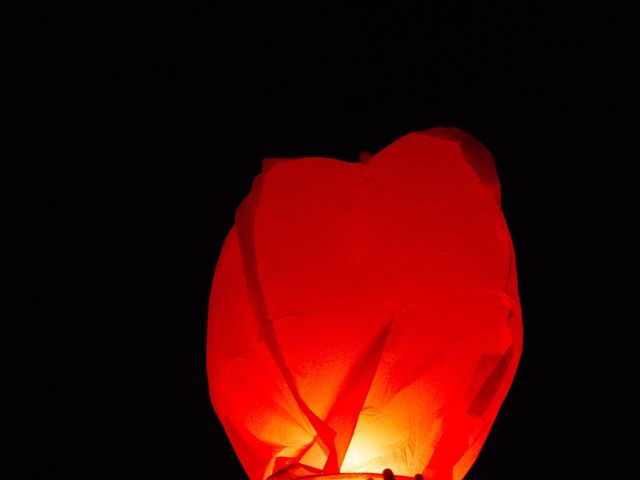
(366, 315)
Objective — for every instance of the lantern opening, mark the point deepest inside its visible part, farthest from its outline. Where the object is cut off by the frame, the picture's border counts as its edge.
(355, 476)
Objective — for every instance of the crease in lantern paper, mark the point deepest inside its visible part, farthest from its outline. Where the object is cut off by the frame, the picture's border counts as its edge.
(358, 382)
(245, 222)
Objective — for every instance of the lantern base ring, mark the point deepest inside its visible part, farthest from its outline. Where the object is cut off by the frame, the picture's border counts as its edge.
(353, 476)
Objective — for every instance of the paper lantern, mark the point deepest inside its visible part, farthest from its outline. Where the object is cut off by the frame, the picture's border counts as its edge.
(366, 315)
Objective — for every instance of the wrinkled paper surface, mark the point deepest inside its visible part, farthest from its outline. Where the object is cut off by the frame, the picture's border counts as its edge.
(366, 315)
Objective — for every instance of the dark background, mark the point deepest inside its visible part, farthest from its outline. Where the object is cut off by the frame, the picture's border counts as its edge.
(137, 131)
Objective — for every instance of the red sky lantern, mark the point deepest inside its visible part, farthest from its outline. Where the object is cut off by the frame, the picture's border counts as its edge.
(365, 315)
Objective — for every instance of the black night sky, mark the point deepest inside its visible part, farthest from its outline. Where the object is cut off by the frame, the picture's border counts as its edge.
(138, 131)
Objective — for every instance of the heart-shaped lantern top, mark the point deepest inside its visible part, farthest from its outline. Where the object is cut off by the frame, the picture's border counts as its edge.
(366, 315)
